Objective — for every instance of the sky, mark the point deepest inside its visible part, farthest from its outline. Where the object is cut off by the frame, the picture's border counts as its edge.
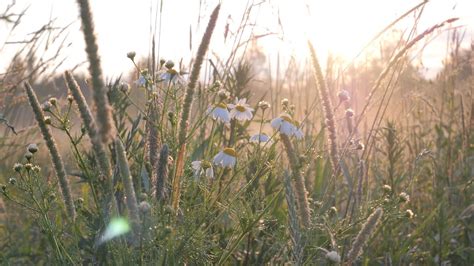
(339, 27)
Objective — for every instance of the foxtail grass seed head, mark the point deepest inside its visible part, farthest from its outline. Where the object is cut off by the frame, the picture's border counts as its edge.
(202, 50)
(300, 187)
(327, 108)
(97, 145)
(364, 234)
(161, 188)
(105, 123)
(53, 151)
(124, 169)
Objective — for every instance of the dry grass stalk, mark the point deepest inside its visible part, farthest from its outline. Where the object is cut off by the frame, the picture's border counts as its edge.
(53, 151)
(301, 193)
(97, 145)
(104, 110)
(183, 126)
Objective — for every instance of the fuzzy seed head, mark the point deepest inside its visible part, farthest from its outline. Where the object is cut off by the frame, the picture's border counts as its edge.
(404, 197)
(285, 102)
(33, 148)
(349, 113)
(12, 181)
(28, 166)
(28, 155)
(46, 106)
(53, 101)
(17, 167)
(343, 96)
(131, 55)
(409, 214)
(264, 105)
(169, 64)
(47, 120)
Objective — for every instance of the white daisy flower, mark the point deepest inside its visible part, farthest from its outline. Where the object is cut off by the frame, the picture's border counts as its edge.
(219, 112)
(298, 132)
(284, 123)
(141, 81)
(260, 138)
(202, 167)
(171, 76)
(226, 158)
(241, 110)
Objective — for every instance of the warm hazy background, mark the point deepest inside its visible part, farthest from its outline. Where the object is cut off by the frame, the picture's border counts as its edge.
(339, 27)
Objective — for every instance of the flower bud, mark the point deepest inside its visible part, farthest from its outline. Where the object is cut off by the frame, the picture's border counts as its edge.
(28, 166)
(17, 167)
(47, 120)
(343, 96)
(53, 101)
(169, 64)
(264, 105)
(404, 197)
(28, 155)
(349, 112)
(131, 55)
(12, 181)
(33, 148)
(46, 106)
(285, 102)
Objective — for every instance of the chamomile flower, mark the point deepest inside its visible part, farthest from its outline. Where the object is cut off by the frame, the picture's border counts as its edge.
(284, 123)
(202, 167)
(171, 76)
(241, 110)
(298, 132)
(141, 81)
(260, 138)
(226, 158)
(219, 112)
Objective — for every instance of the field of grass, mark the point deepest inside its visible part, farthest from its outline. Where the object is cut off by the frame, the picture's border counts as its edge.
(367, 163)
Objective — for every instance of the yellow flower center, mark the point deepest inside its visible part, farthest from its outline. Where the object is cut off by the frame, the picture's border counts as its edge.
(222, 105)
(205, 164)
(230, 151)
(240, 108)
(287, 118)
(172, 71)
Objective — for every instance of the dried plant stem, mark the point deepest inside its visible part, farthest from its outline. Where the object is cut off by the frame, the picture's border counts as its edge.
(183, 125)
(104, 116)
(301, 193)
(367, 229)
(124, 170)
(53, 151)
(327, 108)
(152, 136)
(97, 145)
(161, 192)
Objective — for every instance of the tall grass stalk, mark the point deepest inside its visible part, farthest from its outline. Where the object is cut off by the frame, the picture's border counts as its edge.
(295, 231)
(327, 108)
(104, 111)
(301, 193)
(98, 146)
(184, 122)
(363, 236)
(124, 170)
(53, 151)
